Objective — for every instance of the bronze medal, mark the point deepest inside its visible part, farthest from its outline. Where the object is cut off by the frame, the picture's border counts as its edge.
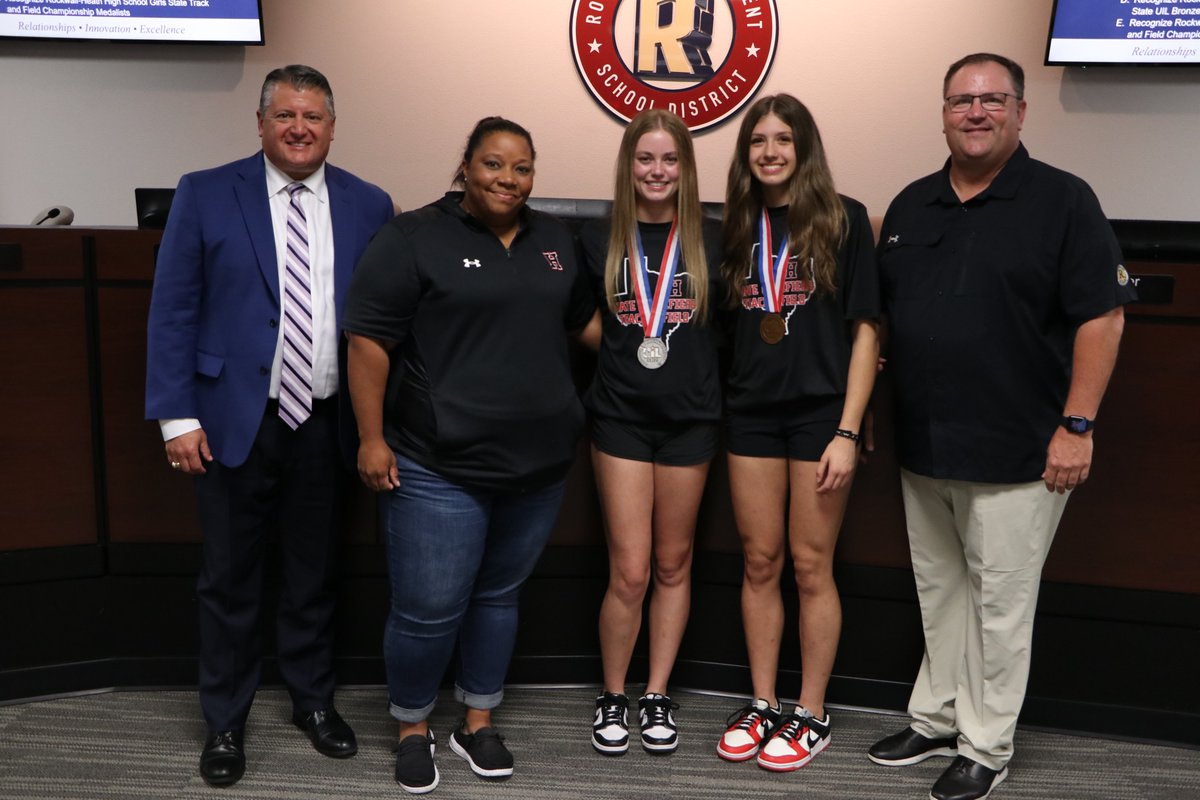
(772, 329)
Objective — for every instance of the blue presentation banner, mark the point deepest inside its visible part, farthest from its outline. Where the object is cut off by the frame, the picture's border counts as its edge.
(139, 20)
(141, 9)
(1117, 19)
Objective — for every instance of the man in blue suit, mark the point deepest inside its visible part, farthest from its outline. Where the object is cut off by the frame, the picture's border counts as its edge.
(243, 375)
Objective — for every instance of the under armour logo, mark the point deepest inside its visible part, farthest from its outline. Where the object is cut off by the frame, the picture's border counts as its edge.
(471, 262)
(894, 238)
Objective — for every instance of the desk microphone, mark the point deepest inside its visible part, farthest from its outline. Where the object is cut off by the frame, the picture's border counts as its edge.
(54, 215)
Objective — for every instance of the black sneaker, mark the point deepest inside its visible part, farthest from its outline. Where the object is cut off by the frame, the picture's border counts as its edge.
(965, 779)
(610, 729)
(909, 747)
(659, 733)
(415, 771)
(484, 750)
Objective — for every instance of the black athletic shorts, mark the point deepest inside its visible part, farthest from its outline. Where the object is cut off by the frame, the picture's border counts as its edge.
(800, 430)
(681, 445)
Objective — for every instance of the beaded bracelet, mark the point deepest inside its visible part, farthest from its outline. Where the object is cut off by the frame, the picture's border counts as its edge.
(851, 435)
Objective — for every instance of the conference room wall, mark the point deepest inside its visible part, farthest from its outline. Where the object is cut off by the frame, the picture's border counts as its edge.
(86, 122)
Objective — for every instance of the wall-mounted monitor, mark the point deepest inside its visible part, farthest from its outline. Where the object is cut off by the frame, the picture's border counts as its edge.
(183, 21)
(1124, 32)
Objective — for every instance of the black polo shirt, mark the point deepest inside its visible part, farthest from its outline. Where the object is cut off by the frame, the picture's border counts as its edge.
(480, 388)
(983, 299)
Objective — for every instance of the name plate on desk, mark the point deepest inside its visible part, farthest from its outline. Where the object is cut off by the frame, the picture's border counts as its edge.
(1156, 290)
(10, 257)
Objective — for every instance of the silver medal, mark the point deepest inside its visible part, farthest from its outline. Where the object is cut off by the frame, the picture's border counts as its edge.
(652, 352)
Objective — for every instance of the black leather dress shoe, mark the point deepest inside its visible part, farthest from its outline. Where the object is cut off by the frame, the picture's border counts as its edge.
(223, 760)
(329, 733)
(909, 747)
(967, 780)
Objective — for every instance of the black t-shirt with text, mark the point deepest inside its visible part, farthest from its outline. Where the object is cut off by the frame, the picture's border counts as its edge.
(687, 387)
(813, 358)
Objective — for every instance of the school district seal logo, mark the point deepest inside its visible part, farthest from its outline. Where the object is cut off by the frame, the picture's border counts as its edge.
(701, 59)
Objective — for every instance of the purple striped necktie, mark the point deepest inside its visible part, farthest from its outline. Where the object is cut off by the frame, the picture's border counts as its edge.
(296, 377)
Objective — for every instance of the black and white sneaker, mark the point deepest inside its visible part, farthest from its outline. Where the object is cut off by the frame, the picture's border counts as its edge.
(416, 771)
(484, 750)
(610, 728)
(659, 733)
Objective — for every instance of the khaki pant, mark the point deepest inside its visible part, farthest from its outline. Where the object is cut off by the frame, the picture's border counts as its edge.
(977, 552)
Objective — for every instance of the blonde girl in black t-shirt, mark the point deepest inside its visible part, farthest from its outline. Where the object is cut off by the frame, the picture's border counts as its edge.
(800, 265)
(655, 407)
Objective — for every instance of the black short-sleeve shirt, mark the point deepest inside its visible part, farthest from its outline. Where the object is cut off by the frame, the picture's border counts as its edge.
(982, 300)
(813, 358)
(480, 389)
(687, 387)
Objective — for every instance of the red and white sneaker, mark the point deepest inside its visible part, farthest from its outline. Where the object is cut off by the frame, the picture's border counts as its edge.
(797, 740)
(746, 730)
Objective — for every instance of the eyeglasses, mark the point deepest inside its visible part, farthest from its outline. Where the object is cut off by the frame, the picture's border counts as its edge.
(992, 101)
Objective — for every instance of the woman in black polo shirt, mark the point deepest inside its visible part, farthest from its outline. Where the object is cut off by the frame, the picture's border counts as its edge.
(655, 405)
(457, 315)
(799, 260)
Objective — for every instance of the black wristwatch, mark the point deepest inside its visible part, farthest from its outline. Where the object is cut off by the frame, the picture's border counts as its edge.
(1078, 424)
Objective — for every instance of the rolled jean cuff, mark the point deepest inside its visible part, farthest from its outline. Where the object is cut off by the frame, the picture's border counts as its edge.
(482, 702)
(411, 714)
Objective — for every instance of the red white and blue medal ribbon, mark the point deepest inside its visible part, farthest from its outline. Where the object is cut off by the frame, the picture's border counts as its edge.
(652, 353)
(771, 272)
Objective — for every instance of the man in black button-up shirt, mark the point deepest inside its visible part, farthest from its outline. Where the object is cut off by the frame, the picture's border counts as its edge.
(1003, 289)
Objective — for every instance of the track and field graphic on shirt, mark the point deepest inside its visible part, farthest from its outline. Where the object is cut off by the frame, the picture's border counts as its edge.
(798, 287)
(679, 309)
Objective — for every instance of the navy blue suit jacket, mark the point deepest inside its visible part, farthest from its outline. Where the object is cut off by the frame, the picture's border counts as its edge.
(215, 307)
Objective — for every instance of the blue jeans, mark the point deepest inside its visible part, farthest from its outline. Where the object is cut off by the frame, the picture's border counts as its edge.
(456, 560)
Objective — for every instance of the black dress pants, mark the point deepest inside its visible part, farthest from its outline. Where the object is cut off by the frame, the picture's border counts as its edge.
(291, 487)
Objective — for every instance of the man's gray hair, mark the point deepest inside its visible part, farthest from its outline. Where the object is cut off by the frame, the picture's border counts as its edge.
(299, 77)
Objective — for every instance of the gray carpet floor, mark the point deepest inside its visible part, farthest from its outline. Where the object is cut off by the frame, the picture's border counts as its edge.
(145, 744)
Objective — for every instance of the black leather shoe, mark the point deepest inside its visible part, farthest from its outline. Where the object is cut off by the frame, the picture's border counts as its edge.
(223, 760)
(328, 732)
(967, 780)
(909, 747)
